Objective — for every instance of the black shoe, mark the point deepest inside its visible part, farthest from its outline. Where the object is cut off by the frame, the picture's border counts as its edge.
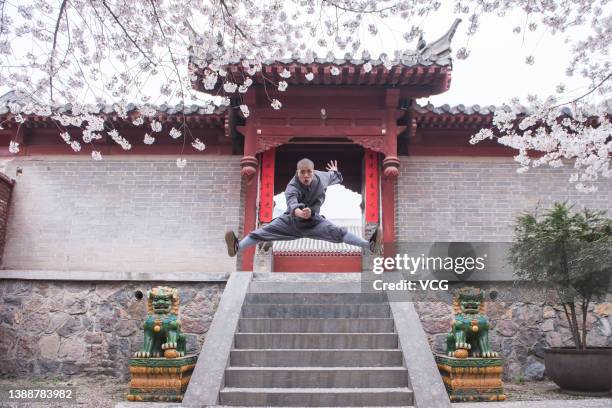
(232, 243)
(376, 241)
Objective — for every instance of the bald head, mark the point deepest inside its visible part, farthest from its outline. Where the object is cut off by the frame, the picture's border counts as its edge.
(305, 163)
(305, 171)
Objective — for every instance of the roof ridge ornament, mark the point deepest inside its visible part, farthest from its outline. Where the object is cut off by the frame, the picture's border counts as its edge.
(441, 47)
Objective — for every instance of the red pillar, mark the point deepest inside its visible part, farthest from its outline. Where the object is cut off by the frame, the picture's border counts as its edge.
(248, 165)
(390, 172)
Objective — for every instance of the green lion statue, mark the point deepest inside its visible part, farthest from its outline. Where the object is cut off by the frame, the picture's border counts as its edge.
(162, 328)
(469, 335)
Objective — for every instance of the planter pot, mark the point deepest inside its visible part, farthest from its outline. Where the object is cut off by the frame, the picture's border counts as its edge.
(580, 370)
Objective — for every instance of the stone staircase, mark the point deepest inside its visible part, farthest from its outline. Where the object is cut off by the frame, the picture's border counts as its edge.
(315, 349)
(313, 339)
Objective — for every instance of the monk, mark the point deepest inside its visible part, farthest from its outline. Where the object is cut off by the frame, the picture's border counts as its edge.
(305, 195)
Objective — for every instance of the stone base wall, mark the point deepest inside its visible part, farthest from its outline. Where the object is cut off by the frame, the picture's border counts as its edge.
(54, 329)
(521, 329)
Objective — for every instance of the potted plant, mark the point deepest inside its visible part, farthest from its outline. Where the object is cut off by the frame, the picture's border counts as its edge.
(572, 252)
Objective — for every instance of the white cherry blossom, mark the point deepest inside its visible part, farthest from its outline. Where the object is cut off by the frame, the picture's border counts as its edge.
(197, 143)
(175, 133)
(13, 147)
(156, 126)
(245, 110)
(276, 104)
(285, 73)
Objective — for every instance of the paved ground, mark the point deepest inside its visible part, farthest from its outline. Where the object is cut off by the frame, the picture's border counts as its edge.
(103, 392)
(106, 392)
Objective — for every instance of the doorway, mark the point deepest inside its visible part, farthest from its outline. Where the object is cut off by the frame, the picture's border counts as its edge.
(344, 205)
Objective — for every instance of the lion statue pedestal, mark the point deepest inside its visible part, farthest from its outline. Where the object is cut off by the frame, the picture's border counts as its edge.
(471, 371)
(161, 370)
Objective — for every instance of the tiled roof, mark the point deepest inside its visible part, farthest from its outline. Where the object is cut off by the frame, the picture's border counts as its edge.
(480, 110)
(170, 109)
(307, 245)
(195, 115)
(457, 109)
(428, 64)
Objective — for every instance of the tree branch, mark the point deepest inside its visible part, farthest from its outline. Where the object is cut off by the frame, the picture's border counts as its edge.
(222, 2)
(343, 8)
(106, 6)
(586, 94)
(57, 24)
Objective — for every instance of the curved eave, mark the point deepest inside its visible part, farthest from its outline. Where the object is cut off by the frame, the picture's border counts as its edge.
(435, 76)
(452, 121)
(469, 117)
(198, 120)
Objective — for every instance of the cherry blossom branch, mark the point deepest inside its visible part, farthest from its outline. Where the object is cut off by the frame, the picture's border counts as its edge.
(53, 47)
(586, 94)
(344, 8)
(110, 11)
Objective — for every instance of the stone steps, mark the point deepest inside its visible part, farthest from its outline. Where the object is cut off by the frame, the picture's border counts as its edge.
(309, 377)
(316, 340)
(316, 397)
(315, 348)
(316, 325)
(317, 310)
(316, 358)
(319, 298)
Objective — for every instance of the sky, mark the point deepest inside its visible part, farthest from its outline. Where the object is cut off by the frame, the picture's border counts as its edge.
(495, 70)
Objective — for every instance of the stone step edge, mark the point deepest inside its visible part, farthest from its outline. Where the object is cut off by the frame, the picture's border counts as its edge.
(317, 318)
(316, 349)
(316, 390)
(316, 321)
(319, 333)
(317, 304)
(316, 368)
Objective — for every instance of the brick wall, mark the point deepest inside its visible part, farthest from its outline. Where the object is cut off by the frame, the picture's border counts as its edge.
(137, 214)
(6, 189)
(477, 199)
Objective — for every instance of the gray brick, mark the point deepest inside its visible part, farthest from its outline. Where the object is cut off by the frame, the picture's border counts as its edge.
(135, 215)
(477, 199)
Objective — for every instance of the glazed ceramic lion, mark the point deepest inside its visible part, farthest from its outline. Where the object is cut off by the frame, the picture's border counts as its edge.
(469, 336)
(162, 328)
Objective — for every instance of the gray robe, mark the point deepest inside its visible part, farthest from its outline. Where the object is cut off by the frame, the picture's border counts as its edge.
(289, 227)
